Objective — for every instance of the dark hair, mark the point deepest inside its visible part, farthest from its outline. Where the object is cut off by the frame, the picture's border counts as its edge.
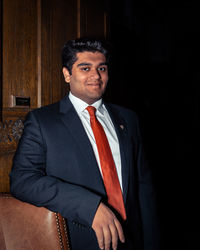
(72, 47)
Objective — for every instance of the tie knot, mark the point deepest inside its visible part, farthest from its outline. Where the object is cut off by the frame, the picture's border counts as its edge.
(91, 110)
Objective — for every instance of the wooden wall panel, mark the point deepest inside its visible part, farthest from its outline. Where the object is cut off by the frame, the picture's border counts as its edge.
(34, 32)
(5, 168)
(93, 18)
(59, 24)
(19, 50)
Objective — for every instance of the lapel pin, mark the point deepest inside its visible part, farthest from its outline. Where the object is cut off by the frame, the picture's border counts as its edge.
(121, 126)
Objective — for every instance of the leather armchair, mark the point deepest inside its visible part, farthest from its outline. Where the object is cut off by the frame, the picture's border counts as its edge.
(26, 227)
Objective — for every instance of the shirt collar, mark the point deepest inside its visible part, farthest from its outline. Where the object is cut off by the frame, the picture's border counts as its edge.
(80, 105)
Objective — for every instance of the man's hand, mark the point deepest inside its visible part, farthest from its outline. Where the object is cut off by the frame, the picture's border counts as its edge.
(107, 228)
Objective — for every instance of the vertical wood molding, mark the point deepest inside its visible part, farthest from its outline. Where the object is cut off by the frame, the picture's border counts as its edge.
(39, 54)
(78, 18)
(1, 26)
(92, 18)
(105, 24)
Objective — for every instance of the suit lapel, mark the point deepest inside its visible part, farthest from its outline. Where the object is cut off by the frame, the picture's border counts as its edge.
(121, 130)
(73, 123)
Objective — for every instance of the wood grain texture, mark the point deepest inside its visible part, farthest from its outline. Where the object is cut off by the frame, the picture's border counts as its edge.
(5, 168)
(93, 21)
(20, 50)
(59, 24)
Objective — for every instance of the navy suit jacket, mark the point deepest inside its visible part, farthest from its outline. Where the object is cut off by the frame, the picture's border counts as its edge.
(55, 167)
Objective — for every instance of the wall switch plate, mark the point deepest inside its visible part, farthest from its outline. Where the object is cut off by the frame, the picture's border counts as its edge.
(19, 101)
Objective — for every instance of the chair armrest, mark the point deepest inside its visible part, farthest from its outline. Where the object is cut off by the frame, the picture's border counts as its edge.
(27, 227)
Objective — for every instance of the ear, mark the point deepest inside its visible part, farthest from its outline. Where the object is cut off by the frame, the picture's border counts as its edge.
(66, 74)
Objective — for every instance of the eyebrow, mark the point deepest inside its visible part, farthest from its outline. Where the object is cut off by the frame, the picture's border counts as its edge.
(89, 64)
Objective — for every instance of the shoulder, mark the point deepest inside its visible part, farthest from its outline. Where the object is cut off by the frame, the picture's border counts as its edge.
(43, 115)
(48, 109)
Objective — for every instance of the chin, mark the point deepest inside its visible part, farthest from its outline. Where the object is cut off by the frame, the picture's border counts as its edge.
(96, 96)
(93, 99)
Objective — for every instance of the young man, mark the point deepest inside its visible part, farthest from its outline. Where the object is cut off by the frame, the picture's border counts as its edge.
(87, 163)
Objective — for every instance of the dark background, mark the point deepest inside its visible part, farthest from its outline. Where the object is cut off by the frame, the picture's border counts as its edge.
(156, 72)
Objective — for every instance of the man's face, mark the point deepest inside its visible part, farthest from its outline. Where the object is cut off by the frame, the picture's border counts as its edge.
(89, 76)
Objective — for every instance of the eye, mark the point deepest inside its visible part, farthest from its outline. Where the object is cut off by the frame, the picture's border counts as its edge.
(102, 68)
(85, 68)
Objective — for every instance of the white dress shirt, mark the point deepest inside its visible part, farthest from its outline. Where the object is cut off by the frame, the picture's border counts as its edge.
(105, 120)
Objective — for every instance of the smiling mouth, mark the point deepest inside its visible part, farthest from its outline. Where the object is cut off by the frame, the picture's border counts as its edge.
(94, 84)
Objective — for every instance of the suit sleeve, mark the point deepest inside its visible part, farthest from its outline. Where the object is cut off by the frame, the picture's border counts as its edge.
(30, 183)
(147, 198)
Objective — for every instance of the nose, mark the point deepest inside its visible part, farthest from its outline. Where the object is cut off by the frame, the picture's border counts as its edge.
(95, 74)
